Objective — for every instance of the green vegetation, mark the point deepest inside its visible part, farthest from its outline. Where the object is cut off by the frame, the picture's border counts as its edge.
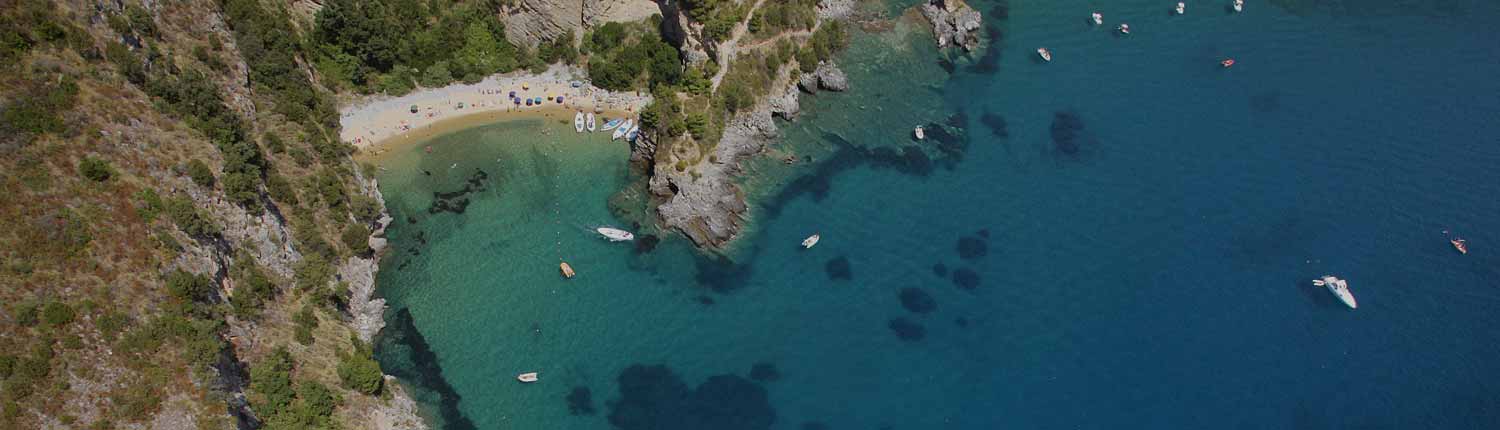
(358, 371)
(778, 16)
(57, 313)
(617, 60)
(356, 238)
(200, 173)
(285, 404)
(95, 169)
(718, 16)
(307, 320)
(386, 45)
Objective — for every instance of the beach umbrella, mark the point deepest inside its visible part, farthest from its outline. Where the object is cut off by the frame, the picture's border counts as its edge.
(413, 108)
(559, 99)
(528, 102)
(512, 94)
(518, 101)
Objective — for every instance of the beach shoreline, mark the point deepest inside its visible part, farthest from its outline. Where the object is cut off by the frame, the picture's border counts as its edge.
(377, 124)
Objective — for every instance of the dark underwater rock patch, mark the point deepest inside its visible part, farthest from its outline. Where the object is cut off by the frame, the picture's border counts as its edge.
(457, 201)
(764, 372)
(720, 274)
(907, 330)
(940, 269)
(961, 322)
(655, 398)
(580, 401)
(966, 278)
(705, 300)
(970, 248)
(1067, 131)
(996, 124)
(815, 425)
(402, 338)
(646, 243)
(983, 232)
(917, 301)
(838, 269)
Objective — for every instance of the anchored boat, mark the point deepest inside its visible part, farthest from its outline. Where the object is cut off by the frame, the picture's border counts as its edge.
(567, 271)
(1098, 18)
(810, 241)
(527, 377)
(611, 124)
(1461, 245)
(1181, 7)
(622, 129)
(590, 122)
(1046, 55)
(1239, 5)
(578, 122)
(1339, 288)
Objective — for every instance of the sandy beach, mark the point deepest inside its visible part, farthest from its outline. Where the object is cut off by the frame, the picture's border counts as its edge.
(377, 123)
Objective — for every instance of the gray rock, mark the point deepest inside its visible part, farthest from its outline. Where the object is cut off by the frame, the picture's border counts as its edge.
(831, 78)
(953, 23)
(785, 104)
(808, 82)
(835, 9)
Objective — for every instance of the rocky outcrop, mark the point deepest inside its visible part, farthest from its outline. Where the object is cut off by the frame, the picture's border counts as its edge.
(534, 21)
(953, 23)
(828, 76)
(367, 311)
(835, 9)
(785, 104)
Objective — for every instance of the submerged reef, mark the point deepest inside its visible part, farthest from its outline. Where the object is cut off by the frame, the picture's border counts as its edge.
(907, 330)
(966, 278)
(764, 372)
(838, 269)
(457, 201)
(655, 398)
(916, 300)
(580, 401)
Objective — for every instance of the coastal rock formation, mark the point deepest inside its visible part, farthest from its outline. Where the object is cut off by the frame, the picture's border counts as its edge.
(702, 201)
(677, 30)
(533, 21)
(835, 9)
(953, 23)
(785, 104)
(828, 76)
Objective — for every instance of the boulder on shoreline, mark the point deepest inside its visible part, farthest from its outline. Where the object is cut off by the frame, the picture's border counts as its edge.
(828, 76)
(953, 23)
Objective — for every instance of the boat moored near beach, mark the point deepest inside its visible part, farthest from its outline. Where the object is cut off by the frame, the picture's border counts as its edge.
(615, 234)
(527, 377)
(611, 124)
(622, 129)
(635, 131)
(1339, 288)
(578, 122)
(589, 121)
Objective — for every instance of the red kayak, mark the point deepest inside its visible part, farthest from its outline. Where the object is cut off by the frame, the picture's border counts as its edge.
(1460, 245)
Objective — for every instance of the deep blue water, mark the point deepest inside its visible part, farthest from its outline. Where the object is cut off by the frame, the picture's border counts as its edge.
(1147, 262)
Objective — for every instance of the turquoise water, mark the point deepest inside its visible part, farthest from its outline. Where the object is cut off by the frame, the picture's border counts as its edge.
(1140, 261)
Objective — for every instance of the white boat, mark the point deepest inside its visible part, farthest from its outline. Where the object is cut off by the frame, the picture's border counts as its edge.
(1124, 28)
(1181, 7)
(454, 166)
(635, 130)
(920, 133)
(810, 241)
(622, 129)
(527, 377)
(1098, 18)
(611, 124)
(590, 122)
(1338, 287)
(615, 234)
(1239, 5)
(578, 122)
(1046, 55)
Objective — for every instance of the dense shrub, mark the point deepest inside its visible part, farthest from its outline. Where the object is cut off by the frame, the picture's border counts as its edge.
(271, 383)
(356, 238)
(57, 313)
(182, 212)
(200, 173)
(189, 287)
(95, 169)
(364, 208)
(358, 372)
(25, 313)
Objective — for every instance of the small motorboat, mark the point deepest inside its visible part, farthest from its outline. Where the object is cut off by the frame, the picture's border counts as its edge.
(1338, 287)
(567, 271)
(589, 121)
(615, 234)
(919, 133)
(1239, 5)
(810, 241)
(1461, 245)
(1046, 55)
(1124, 28)
(1181, 7)
(1098, 18)
(1227, 63)
(578, 122)
(527, 377)
(635, 131)
(622, 129)
(454, 166)
(611, 124)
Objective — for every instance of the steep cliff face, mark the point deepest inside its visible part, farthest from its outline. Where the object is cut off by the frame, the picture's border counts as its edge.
(534, 21)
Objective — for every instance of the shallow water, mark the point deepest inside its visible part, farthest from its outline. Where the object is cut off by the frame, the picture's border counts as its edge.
(1147, 259)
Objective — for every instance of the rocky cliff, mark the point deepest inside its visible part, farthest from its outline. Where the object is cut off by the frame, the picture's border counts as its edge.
(533, 21)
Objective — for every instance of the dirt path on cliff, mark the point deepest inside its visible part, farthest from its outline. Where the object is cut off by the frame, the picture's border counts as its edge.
(727, 48)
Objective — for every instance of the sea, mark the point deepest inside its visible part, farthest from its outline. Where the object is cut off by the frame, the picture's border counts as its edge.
(1123, 237)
